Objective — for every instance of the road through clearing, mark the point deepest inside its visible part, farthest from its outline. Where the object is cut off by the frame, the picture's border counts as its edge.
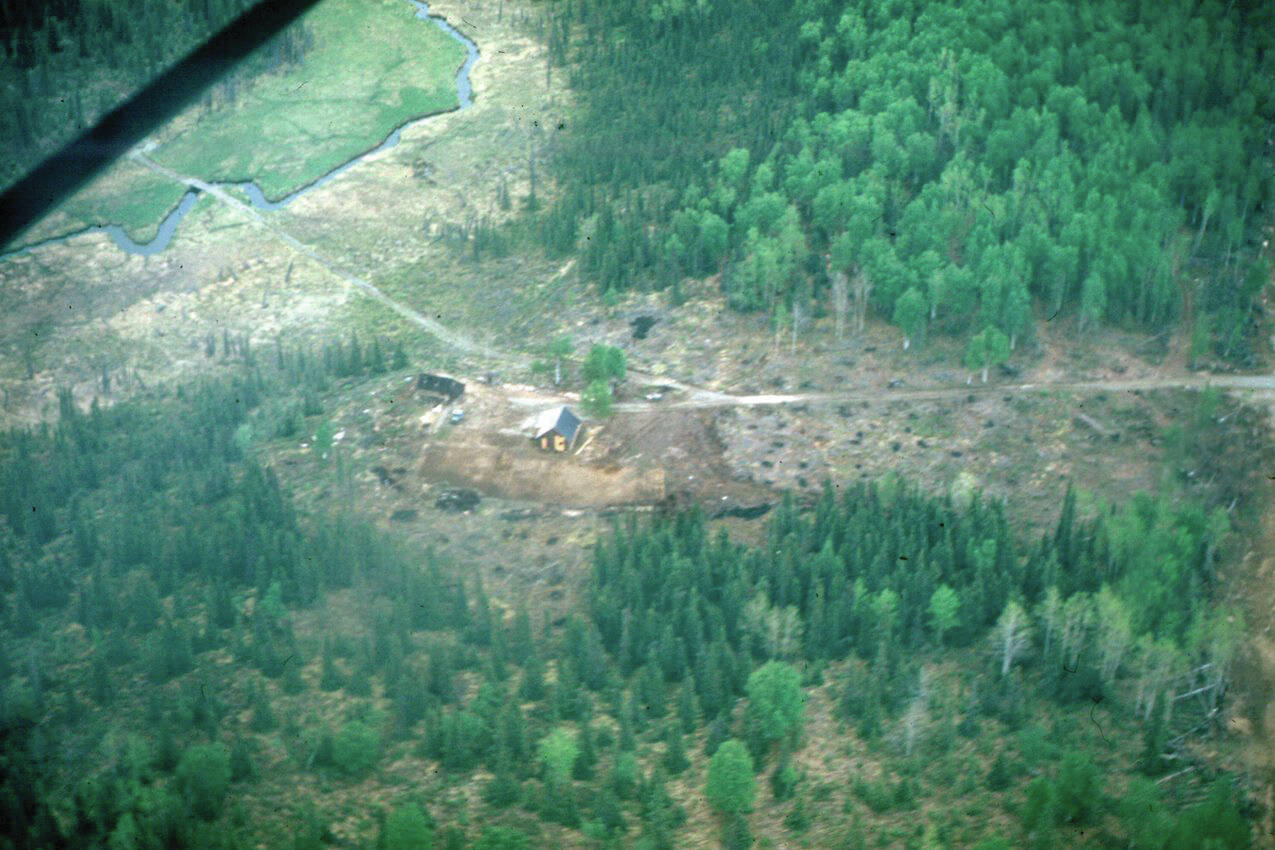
(700, 397)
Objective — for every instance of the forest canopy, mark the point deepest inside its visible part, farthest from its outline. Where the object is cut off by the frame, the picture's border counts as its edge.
(978, 161)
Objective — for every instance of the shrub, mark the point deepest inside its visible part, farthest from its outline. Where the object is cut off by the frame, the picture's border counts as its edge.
(798, 820)
(998, 776)
(558, 751)
(596, 399)
(731, 786)
(407, 828)
(356, 748)
(203, 776)
(501, 838)
(242, 765)
(876, 795)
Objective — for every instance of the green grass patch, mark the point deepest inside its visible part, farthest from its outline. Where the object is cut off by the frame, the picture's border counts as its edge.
(140, 199)
(126, 193)
(373, 67)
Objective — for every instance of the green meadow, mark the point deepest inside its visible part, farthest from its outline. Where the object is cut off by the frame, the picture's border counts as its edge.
(373, 66)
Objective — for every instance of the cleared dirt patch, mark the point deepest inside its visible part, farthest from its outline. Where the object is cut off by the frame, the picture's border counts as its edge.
(509, 467)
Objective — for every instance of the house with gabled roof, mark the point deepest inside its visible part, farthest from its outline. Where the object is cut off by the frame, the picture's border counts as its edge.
(555, 429)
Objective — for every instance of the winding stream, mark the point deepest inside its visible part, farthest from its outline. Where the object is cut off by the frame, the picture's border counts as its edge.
(168, 227)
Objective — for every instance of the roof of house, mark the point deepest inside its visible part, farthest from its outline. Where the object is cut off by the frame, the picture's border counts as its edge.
(560, 419)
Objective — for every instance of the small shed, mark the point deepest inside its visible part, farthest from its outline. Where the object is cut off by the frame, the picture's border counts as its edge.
(449, 388)
(555, 429)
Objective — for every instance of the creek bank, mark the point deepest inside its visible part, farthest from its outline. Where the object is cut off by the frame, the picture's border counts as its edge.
(168, 227)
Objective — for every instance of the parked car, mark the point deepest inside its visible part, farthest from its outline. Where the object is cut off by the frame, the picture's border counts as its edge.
(457, 417)
(895, 383)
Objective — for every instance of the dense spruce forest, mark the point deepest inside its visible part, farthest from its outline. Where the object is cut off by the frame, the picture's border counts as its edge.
(953, 168)
(68, 62)
(154, 685)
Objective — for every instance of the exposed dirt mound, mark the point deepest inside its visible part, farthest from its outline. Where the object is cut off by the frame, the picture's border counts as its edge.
(686, 446)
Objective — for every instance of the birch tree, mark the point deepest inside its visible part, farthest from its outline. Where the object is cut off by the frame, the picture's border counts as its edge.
(1157, 660)
(909, 314)
(558, 349)
(776, 632)
(1077, 616)
(1012, 634)
(1215, 636)
(776, 700)
(945, 611)
(1114, 635)
(1049, 614)
(783, 632)
(988, 348)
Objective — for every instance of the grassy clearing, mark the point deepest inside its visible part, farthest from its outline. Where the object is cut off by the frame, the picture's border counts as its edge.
(126, 194)
(373, 66)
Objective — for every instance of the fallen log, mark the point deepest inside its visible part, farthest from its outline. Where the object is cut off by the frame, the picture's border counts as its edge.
(1097, 427)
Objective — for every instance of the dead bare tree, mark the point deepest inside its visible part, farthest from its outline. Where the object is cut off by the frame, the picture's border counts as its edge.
(862, 289)
(840, 301)
(796, 324)
(913, 724)
(917, 717)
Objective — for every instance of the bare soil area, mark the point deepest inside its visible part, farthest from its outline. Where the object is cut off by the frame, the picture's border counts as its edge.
(510, 467)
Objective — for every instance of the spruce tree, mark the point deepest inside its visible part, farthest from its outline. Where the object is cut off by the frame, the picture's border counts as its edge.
(400, 357)
(331, 679)
(101, 688)
(998, 777)
(607, 811)
(360, 681)
(503, 789)
(532, 687)
(718, 731)
(687, 713)
(263, 718)
(521, 644)
(1152, 761)
(674, 760)
(628, 738)
(513, 734)
(783, 780)
(582, 768)
(166, 751)
(293, 683)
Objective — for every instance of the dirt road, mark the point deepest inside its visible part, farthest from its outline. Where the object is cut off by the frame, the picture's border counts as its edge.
(456, 340)
(700, 397)
(1259, 384)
